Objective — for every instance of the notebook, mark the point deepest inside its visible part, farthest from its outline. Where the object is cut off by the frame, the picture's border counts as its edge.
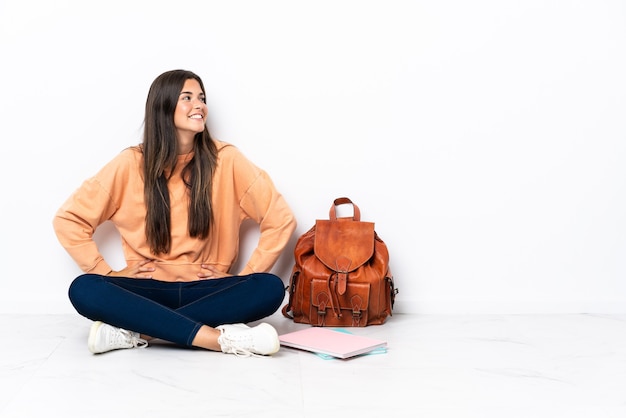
(330, 342)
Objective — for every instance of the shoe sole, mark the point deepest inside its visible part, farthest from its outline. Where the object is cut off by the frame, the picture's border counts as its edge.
(93, 333)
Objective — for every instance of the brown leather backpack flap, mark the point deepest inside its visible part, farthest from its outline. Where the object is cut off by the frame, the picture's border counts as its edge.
(344, 245)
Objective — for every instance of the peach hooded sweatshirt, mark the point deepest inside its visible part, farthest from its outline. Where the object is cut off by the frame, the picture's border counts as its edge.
(240, 191)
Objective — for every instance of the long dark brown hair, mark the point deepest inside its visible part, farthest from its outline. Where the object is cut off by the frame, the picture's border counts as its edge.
(160, 156)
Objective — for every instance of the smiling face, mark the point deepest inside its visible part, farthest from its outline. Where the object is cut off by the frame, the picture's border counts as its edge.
(190, 114)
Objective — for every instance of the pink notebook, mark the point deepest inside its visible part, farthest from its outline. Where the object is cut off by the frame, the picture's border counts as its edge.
(330, 342)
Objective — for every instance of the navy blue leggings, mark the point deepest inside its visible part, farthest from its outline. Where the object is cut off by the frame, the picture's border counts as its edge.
(175, 311)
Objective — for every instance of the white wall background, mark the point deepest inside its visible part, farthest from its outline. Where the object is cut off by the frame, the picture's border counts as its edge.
(486, 139)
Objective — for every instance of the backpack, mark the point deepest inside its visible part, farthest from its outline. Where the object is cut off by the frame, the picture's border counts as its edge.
(341, 275)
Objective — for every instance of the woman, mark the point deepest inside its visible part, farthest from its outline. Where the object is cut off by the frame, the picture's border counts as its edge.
(178, 200)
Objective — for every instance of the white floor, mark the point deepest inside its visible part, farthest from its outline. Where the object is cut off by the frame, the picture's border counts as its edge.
(505, 366)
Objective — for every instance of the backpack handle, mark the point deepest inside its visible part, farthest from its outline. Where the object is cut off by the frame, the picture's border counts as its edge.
(356, 213)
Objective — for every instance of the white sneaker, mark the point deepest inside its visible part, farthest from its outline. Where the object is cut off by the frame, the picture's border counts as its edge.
(233, 327)
(103, 337)
(241, 340)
